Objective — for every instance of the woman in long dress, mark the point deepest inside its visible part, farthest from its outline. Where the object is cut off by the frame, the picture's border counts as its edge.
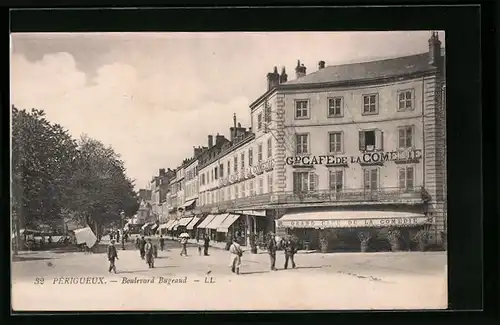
(150, 259)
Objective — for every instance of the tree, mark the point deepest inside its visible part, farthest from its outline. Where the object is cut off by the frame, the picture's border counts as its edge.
(102, 189)
(43, 158)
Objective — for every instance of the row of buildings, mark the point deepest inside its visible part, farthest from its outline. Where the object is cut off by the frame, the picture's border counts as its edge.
(352, 146)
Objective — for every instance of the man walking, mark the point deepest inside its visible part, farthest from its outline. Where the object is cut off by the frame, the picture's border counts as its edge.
(149, 251)
(184, 246)
(162, 242)
(112, 256)
(235, 257)
(271, 249)
(206, 244)
(290, 251)
(142, 245)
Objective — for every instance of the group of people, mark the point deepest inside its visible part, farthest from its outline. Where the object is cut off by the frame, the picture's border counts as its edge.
(148, 250)
(289, 247)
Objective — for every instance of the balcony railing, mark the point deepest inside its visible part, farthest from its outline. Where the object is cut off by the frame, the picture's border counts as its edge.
(323, 197)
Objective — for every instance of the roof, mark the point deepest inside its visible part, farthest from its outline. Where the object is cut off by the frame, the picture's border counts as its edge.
(400, 66)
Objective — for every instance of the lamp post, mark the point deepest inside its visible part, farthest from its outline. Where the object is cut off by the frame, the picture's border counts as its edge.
(122, 214)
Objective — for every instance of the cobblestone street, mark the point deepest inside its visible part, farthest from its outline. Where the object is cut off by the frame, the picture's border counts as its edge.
(320, 281)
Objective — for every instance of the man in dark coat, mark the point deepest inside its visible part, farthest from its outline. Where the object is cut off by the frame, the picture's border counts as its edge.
(271, 249)
(149, 252)
(290, 251)
(162, 242)
(142, 244)
(112, 256)
(206, 244)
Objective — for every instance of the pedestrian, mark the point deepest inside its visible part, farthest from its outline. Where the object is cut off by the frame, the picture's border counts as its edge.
(162, 242)
(271, 249)
(184, 246)
(137, 242)
(142, 245)
(206, 244)
(235, 256)
(117, 236)
(200, 246)
(150, 259)
(155, 250)
(50, 240)
(290, 250)
(112, 256)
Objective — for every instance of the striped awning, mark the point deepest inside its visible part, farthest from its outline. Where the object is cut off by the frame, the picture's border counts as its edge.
(193, 223)
(173, 225)
(205, 222)
(217, 221)
(352, 219)
(228, 222)
(185, 221)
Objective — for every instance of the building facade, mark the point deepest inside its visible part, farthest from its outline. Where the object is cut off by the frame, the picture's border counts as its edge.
(357, 147)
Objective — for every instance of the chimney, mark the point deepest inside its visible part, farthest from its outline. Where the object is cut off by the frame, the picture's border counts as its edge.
(161, 172)
(210, 141)
(434, 49)
(283, 76)
(197, 151)
(273, 79)
(321, 65)
(219, 139)
(300, 70)
(235, 131)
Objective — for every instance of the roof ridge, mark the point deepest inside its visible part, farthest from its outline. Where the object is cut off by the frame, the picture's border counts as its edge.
(379, 60)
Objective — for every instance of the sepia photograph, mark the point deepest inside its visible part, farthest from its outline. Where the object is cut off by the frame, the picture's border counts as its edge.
(228, 171)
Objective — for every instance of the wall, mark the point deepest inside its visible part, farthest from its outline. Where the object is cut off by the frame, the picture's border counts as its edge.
(191, 181)
(318, 126)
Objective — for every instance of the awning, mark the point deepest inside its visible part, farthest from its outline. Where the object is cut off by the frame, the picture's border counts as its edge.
(193, 223)
(188, 203)
(163, 226)
(184, 221)
(217, 221)
(154, 226)
(224, 226)
(146, 225)
(173, 224)
(205, 222)
(168, 224)
(85, 236)
(352, 219)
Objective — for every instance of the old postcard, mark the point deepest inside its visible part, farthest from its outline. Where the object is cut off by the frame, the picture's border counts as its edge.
(228, 171)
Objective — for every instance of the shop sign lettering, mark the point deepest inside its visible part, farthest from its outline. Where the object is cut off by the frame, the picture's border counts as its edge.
(248, 172)
(341, 223)
(367, 158)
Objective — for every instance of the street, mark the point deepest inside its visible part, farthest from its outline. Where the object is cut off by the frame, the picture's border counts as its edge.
(321, 281)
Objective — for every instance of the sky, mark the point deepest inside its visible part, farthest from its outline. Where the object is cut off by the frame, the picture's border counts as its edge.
(154, 96)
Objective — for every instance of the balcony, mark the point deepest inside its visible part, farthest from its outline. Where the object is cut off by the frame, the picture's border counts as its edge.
(388, 195)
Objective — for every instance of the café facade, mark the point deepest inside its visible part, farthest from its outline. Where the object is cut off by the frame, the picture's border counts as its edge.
(356, 151)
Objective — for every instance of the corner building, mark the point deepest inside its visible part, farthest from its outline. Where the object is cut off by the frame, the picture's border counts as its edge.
(355, 150)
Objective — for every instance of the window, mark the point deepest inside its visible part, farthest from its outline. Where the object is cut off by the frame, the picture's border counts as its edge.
(222, 195)
(302, 141)
(336, 180)
(215, 171)
(242, 189)
(269, 148)
(235, 164)
(370, 103)
(229, 193)
(221, 170)
(335, 142)
(250, 188)
(236, 190)
(405, 137)
(267, 115)
(406, 179)
(250, 157)
(301, 109)
(259, 152)
(335, 106)
(259, 121)
(405, 100)
(304, 181)
(261, 186)
(228, 168)
(371, 140)
(371, 179)
(242, 160)
(269, 183)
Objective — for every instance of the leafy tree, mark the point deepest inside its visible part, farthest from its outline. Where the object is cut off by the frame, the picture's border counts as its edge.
(102, 189)
(43, 160)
